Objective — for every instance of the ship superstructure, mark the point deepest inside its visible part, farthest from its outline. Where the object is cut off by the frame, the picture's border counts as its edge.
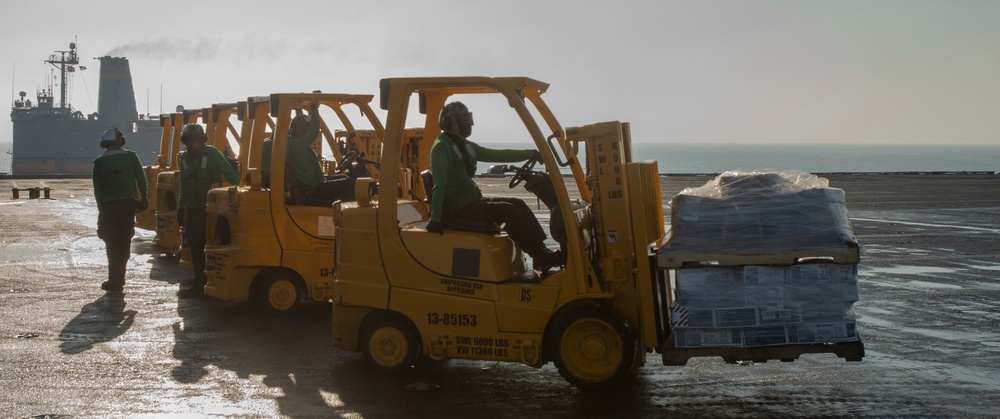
(53, 139)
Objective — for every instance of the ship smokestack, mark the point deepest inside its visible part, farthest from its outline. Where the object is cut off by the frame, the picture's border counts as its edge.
(116, 101)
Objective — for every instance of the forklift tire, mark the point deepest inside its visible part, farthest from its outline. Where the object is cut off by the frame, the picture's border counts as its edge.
(595, 349)
(279, 293)
(390, 345)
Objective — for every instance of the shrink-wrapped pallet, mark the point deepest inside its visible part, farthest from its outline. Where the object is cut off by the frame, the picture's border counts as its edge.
(741, 212)
(762, 258)
(750, 306)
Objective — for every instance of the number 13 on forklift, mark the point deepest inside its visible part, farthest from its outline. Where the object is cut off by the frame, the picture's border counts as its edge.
(451, 319)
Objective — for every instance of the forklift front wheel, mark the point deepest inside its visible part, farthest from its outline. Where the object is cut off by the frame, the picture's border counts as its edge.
(279, 294)
(595, 349)
(390, 345)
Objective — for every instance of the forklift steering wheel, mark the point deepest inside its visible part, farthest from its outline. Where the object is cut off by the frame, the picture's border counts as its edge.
(521, 173)
(345, 162)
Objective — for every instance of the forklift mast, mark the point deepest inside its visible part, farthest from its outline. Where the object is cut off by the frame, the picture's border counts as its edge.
(628, 219)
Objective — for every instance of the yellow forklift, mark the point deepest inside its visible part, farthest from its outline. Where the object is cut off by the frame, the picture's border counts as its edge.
(402, 292)
(146, 219)
(266, 242)
(359, 153)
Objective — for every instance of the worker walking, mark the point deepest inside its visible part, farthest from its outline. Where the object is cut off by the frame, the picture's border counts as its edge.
(202, 168)
(120, 192)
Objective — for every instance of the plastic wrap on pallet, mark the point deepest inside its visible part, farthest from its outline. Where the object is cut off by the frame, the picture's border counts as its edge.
(761, 210)
(764, 305)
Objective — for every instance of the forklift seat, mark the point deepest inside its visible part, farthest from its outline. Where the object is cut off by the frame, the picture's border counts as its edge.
(459, 224)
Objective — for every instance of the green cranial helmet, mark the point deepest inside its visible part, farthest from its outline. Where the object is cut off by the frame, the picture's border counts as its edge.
(112, 137)
(456, 111)
(299, 125)
(192, 129)
(192, 132)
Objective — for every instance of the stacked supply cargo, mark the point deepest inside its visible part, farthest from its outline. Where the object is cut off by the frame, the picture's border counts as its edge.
(762, 260)
(757, 214)
(764, 305)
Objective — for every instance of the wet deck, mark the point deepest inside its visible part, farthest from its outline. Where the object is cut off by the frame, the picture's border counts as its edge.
(929, 315)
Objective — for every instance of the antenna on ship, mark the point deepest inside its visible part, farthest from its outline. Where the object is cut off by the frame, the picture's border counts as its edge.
(66, 58)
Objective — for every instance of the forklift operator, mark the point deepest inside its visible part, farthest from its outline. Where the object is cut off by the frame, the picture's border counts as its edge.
(456, 196)
(304, 166)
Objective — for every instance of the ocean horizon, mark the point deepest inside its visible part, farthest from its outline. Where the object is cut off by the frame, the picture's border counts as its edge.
(814, 158)
(688, 158)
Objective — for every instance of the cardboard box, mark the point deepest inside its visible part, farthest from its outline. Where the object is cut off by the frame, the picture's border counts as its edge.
(822, 332)
(770, 316)
(687, 317)
(764, 336)
(835, 312)
(710, 287)
(765, 275)
(810, 273)
(821, 293)
(698, 318)
(708, 338)
(736, 317)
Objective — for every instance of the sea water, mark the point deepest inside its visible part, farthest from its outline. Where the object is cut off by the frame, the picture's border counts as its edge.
(813, 158)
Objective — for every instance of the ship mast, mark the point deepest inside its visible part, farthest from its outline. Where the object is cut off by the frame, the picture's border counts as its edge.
(65, 58)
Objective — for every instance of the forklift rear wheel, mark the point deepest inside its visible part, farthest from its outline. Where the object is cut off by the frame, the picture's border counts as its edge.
(390, 345)
(279, 294)
(595, 348)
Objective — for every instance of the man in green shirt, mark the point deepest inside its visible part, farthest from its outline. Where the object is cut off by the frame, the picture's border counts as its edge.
(456, 196)
(120, 192)
(202, 168)
(303, 164)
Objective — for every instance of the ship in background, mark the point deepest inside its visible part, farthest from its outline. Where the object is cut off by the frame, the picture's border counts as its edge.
(52, 139)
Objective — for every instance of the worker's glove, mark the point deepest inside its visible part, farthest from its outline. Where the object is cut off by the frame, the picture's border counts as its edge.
(313, 108)
(180, 217)
(435, 227)
(537, 156)
(141, 206)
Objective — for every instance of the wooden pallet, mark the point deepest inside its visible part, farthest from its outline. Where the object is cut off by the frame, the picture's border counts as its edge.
(850, 351)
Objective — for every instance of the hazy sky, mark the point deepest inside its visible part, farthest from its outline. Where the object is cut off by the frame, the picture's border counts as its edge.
(795, 71)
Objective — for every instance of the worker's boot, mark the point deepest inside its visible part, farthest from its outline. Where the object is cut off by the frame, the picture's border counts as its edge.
(192, 288)
(110, 285)
(543, 259)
